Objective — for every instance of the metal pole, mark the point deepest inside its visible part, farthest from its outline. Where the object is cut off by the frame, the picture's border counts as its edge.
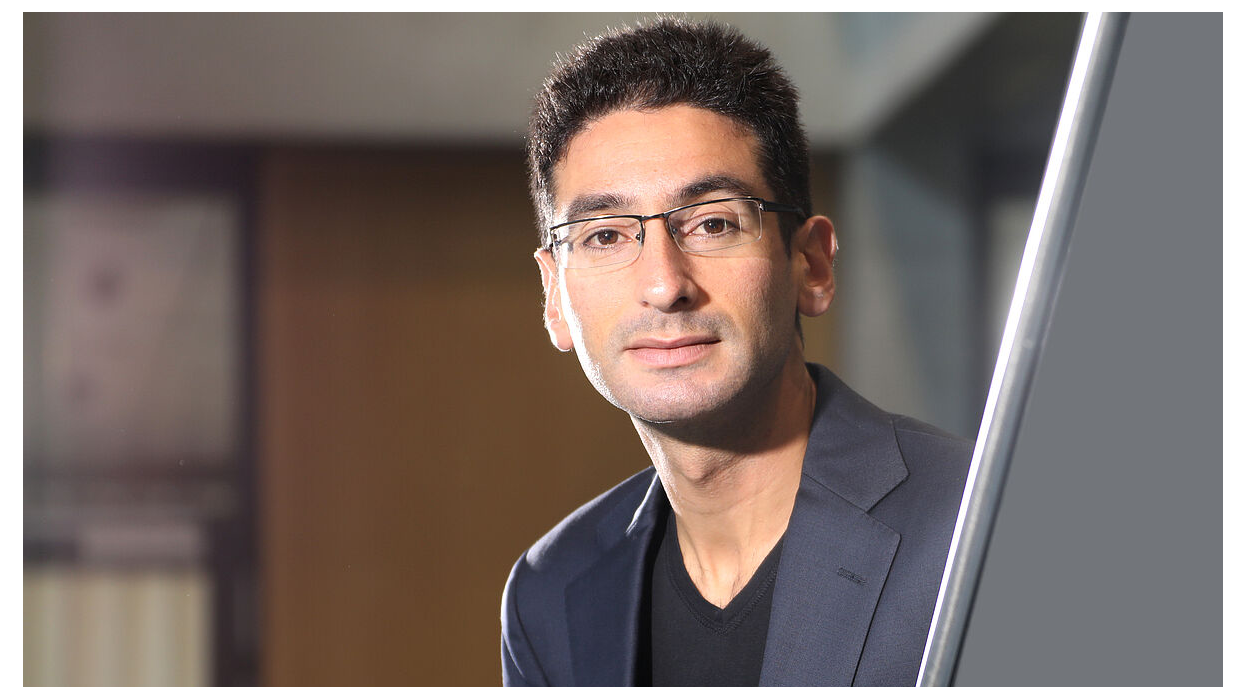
(1030, 312)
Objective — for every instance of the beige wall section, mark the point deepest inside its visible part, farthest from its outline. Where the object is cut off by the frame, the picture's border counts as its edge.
(115, 626)
(417, 431)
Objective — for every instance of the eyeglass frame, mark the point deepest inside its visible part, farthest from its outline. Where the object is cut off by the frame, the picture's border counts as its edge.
(764, 205)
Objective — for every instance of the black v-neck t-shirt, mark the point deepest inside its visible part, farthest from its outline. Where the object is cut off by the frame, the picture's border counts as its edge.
(693, 642)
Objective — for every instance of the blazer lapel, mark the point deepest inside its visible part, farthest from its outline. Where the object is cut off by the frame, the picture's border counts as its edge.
(604, 602)
(836, 557)
(832, 568)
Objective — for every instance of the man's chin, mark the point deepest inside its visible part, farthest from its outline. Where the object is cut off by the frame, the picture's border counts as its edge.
(675, 402)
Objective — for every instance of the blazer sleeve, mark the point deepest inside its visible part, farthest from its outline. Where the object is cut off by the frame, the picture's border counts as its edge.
(519, 662)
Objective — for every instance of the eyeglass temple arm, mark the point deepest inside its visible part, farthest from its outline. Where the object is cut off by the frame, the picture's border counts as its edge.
(783, 208)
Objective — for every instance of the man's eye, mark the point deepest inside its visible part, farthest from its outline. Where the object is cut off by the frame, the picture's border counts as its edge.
(713, 227)
(602, 238)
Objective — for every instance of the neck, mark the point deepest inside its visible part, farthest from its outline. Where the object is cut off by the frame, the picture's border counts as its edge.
(733, 493)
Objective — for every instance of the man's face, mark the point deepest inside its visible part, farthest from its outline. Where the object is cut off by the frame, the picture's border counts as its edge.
(672, 336)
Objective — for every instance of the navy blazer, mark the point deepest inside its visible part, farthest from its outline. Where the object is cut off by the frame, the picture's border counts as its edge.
(858, 576)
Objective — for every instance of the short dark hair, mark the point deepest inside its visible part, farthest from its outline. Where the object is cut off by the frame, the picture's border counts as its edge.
(665, 62)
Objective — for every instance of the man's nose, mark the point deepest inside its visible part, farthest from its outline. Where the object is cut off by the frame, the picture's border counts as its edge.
(662, 271)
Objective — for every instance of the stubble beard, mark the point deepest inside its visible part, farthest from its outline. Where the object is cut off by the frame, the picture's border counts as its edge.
(703, 399)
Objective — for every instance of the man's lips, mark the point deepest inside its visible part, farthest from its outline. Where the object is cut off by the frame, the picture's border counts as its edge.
(670, 352)
(668, 344)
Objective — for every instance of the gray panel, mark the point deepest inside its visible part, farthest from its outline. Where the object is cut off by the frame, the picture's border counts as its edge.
(1105, 567)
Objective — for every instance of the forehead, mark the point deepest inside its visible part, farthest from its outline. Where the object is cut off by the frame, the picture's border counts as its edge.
(644, 157)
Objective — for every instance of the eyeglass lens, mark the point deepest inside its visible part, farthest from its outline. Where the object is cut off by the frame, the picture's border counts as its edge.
(697, 229)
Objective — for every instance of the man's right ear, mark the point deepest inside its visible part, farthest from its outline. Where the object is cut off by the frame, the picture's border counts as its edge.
(556, 325)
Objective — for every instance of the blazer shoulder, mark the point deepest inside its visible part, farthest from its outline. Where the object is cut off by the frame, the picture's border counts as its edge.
(924, 445)
(573, 543)
(913, 425)
(938, 463)
(534, 631)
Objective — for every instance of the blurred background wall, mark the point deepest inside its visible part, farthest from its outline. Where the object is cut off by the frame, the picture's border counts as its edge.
(288, 402)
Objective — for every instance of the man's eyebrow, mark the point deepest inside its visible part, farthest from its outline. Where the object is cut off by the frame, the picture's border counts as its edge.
(714, 183)
(588, 204)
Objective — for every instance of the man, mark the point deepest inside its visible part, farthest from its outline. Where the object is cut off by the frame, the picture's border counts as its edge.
(788, 532)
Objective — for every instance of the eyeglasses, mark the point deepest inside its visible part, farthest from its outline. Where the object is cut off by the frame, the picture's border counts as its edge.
(704, 227)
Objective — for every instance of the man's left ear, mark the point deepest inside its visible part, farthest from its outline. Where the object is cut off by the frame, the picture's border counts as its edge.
(814, 251)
